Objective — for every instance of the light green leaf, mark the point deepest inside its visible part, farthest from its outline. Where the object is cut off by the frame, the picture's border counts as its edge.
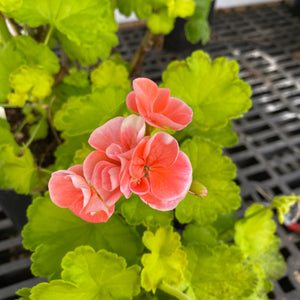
(254, 234)
(218, 273)
(213, 90)
(53, 231)
(6, 137)
(83, 22)
(24, 294)
(30, 80)
(160, 22)
(88, 55)
(141, 8)
(202, 235)
(10, 5)
(110, 73)
(40, 130)
(197, 28)
(136, 212)
(225, 136)
(17, 170)
(10, 60)
(83, 114)
(78, 78)
(166, 262)
(36, 53)
(216, 173)
(180, 8)
(65, 152)
(89, 275)
(283, 205)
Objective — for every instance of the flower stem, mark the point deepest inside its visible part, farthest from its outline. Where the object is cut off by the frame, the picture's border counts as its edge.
(49, 33)
(5, 35)
(8, 105)
(173, 291)
(36, 129)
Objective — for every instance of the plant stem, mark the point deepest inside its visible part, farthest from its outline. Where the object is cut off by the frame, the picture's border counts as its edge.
(8, 105)
(5, 35)
(33, 134)
(45, 171)
(49, 33)
(173, 291)
(149, 41)
(20, 127)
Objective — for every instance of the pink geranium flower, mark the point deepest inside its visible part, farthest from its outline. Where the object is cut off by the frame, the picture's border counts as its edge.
(70, 189)
(160, 174)
(107, 169)
(157, 107)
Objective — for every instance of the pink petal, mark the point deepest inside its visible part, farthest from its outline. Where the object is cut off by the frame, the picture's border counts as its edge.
(140, 186)
(159, 204)
(107, 134)
(161, 101)
(132, 131)
(174, 182)
(146, 91)
(131, 102)
(62, 191)
(125, 178)
(98, 217)
(161, 150)
(90, 162)
(137, 164)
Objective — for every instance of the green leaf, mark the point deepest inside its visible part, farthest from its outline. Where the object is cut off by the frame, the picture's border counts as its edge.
(218, 273)
(141, 8)
(254, 234)
(81, 115)
(36, 53)
(53, 231)
(202, 235)
(166, 262)
(78, 78)
(10, 60)
(42, 130)
(160, 22)
(180, 8)
(6, 137)
(83, 22)
(136, 212)
(89, 275)
(30, 80)
(65, 152)
(24, 293)
(88, 55)
(112, 74)
(213, 90)
(17, 171)
(283, 205)
(10, 5)
(197, 28)
(216, 173)
(225, 136)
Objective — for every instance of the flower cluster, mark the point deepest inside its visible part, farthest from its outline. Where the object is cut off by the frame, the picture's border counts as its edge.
(125, 161)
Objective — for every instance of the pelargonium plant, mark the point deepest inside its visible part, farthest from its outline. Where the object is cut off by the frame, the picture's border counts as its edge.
(133, 197)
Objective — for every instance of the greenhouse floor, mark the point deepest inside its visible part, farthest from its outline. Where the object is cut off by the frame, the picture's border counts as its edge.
(265, 41)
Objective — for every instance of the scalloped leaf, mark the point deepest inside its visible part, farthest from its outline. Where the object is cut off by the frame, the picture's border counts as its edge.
(136, 212)
(254, 233)
(216, 173)
(197, 28)
(83, 22)
(110, 73)
(36, 53)
(166, 262)
(141, 8)
(81, 115)
(160, 22)
(218, 273)
(91, 275)
(45, 234)
(17, 170)
(181, 8)
(213, 90)
(10, 5)
(6, 137)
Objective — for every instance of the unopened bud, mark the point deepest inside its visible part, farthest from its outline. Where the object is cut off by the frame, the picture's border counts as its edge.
(198, 189)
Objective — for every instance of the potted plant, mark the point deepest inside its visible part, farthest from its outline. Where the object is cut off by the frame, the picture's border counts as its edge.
(141, 202)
